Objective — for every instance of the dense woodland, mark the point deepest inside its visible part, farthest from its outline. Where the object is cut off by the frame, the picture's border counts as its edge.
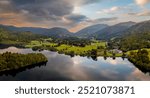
(74, 41)
(135, 41)
(13, 61)
(140, 59)
(17, 38)
(132, 42)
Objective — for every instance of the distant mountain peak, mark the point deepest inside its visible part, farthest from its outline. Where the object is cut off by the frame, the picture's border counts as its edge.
(84, 33)
(128, 24)
(113, 31)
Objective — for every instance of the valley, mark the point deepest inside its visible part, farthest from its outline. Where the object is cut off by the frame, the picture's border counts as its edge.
(128, 40)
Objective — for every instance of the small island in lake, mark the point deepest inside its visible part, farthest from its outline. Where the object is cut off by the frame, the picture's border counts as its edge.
(13, 61)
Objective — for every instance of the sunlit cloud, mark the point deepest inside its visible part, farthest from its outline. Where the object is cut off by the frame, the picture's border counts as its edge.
(71, 14)
(138, 75)
(142, 2)
(77, 10)
(108, 11)
(89, 22)
(143, 13)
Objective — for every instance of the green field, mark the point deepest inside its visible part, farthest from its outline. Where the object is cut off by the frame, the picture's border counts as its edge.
(80, 50)
(149, 52)
(38, 43)
(11, 42)
(100, 46)
(68, 48)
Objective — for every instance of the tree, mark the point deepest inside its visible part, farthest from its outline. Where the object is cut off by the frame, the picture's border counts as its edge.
(13, 61)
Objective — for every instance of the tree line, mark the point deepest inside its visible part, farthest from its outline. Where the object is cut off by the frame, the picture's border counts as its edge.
(140, 59)
(12, 61)
(8, 37)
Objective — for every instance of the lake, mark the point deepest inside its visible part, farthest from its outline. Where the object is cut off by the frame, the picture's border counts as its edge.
(61, 67)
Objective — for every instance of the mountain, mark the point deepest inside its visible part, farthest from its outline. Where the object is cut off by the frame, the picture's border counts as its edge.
(55, 32)
(86, 32)
(58, 32)
(41, 31)
(139, 28)
(134, 38)
(112, 31)
(8, 37)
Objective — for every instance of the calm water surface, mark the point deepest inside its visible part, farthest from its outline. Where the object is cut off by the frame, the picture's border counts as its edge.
(62, 67)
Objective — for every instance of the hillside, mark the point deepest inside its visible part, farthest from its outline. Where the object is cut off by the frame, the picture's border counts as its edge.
(136, 37)
(138, 28)
(112, 31)
(8, 37)
(86, 32)
(55, 32)
(58, 32)
(34, 30)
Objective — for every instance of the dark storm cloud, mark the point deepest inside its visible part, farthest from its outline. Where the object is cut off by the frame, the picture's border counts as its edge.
(90, 1)
(44, 8)
(45, 13)
(5, 6)
(76, 18)
(48, 7)
(106, 19)
(101, 20)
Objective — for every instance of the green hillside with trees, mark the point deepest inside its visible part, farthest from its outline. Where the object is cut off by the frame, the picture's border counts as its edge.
(17, 38)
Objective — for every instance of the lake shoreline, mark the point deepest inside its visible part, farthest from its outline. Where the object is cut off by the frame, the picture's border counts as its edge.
(3, 46)
(62, 67)
(21, 68)
(14, 61)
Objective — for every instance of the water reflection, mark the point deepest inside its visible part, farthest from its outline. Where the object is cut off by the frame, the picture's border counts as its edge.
(63, 67)
(15, 72)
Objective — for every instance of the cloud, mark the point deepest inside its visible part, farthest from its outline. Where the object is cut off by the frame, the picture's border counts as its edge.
(62, 13)
(78, 27)
(117, 10)
(89, 1)
(138, 75)
(4, 2)
(142, 2)
(100, 20)
(76, 18)
(143, 13)
(110, 10)
(42, 13)
(89, 22)
(83, 2)
(36, 11)
(44, 8)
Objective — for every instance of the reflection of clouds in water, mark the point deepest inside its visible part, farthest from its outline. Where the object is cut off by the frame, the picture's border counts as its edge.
(78, 73)
(84, 62)
(76, 60)
(49, 54)
(80, 68)
(62, 67)
(117, 62)
(113, 62)
(10, 49)
(66, 66)
(138, 75)
(110, 74)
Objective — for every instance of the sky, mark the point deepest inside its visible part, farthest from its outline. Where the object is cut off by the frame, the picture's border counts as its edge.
(72, 14)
